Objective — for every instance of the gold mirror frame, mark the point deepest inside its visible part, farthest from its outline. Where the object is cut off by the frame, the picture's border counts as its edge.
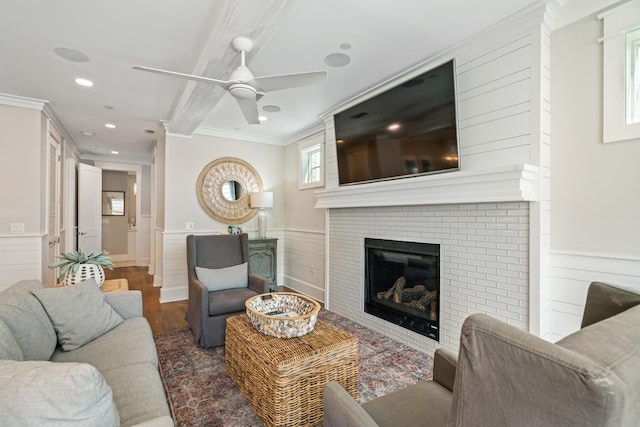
(209, 190)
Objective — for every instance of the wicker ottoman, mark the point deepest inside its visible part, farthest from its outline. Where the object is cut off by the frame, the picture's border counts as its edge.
(282, 378)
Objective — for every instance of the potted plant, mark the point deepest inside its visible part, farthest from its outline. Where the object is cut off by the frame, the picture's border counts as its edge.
(77, 266)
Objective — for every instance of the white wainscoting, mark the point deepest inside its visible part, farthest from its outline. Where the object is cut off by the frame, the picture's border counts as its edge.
(571, 274)
(20, 259)
(158, 261)
(303, 260)
(174, 267)
(173, 270)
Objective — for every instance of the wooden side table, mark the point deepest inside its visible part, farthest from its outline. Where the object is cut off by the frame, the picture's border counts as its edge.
(282, 378)
(263, 260)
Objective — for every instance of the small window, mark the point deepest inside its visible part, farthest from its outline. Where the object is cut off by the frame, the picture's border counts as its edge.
(621, 72)
(311, 163)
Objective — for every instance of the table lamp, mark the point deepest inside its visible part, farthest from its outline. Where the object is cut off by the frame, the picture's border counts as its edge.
(262, 201)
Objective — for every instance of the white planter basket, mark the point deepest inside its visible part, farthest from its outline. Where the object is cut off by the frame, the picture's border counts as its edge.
(85, 271)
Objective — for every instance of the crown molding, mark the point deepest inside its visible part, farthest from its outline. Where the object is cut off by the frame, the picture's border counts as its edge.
(111, 159)
(22, 102)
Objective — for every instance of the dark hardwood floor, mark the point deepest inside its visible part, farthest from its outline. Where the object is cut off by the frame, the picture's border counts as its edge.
(165, 317)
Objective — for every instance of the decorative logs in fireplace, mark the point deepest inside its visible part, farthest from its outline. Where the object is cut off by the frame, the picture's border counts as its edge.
(417, 297)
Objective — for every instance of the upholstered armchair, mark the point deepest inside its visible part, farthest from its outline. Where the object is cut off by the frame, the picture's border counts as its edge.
(504, 376)
(219, 284)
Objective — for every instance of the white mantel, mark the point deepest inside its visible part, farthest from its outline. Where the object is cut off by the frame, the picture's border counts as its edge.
(509, 183)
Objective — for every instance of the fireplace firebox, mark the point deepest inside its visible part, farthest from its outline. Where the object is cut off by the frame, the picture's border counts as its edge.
(402, 284)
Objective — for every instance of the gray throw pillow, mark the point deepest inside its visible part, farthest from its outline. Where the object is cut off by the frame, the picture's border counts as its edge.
(79, 314)
(36, 393)
(218, 279)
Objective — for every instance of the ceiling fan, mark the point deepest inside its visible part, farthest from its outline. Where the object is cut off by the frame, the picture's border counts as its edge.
(242, 84)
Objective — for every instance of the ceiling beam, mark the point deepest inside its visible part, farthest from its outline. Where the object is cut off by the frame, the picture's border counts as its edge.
(258, 20)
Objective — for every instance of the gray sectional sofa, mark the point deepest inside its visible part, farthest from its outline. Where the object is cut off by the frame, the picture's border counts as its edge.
(78, 357)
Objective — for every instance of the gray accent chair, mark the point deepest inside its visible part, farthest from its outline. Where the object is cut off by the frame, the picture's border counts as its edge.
(207, 312)
(504, 376)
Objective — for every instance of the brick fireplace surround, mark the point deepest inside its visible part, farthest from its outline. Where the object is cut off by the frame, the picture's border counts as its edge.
(484, 261)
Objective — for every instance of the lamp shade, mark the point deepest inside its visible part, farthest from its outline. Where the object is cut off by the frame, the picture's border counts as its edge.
(262, 200)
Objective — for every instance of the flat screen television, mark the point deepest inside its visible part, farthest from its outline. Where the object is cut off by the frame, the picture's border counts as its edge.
(405, 131)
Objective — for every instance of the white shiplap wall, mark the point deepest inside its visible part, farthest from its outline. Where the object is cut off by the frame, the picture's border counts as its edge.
(503, 106)
(571, 274)
(304, 262)
(20, 259)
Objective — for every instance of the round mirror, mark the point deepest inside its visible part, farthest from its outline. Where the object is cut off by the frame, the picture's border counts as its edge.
(232, 190)
(223, 189)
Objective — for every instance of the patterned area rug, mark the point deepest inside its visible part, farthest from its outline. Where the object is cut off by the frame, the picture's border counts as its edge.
(202, 394)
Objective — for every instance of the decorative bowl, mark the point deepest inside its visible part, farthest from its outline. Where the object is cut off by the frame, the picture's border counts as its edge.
(283, 314)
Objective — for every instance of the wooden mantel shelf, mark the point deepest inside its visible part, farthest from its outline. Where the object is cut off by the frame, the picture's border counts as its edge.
(512, 183)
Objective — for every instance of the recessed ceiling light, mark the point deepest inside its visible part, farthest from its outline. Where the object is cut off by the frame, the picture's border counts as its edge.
(88, 133)
(84, 82)
(271, 108)
(110, 125)
(71, 54)
(115, 152)
(337, 59)
(262, 118)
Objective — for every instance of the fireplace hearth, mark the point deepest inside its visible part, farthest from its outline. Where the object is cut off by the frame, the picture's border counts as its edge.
(402, 284)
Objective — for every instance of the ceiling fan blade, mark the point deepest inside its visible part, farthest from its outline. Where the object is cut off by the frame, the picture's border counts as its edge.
(286, 81)
(182, 75)
(249, 108)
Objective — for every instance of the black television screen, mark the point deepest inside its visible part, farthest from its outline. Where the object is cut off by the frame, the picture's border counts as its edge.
(408, 130)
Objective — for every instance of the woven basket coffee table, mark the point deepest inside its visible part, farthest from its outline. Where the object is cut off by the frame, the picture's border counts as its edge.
(282, 378)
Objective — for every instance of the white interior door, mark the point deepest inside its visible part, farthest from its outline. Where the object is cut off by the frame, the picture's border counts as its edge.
(70, 203)
(89, 208)
(53, 198)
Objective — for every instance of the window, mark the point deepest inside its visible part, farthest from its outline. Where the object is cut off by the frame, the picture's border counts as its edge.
(310, 169)
(621, 72)
(633, 76)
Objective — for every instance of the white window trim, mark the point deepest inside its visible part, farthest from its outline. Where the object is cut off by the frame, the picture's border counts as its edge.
(302, 146)
(615, 23)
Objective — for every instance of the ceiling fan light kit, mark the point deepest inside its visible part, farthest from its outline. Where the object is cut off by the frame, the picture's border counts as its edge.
(243, 86)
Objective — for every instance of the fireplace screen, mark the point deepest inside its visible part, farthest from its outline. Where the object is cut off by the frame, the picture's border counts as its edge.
(402, 284)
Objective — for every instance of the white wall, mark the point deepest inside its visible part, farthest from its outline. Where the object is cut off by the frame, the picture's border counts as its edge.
(23, 196)
(184, 159)
(595, 187)
(304, 232)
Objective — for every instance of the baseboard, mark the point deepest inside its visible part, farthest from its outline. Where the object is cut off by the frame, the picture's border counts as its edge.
(174, 294)
(308, 289)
